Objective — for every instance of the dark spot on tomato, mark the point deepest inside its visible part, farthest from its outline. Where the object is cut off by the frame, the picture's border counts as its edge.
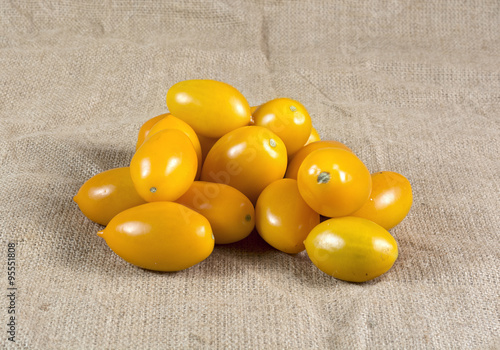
(323, 177)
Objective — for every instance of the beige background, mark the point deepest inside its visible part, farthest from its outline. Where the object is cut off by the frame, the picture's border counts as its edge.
(410, 86)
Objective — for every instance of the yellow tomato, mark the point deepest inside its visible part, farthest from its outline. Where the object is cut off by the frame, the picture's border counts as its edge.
(106, 194)
(298, 158)
(283, 218)
(160, 236)
(230, 213)
(390, 200)
(334, 182)
(351, 249)
(146, 127)
(165, 166)
(211, 107)
(171, 122)
(313, 137)
(248, 158)
(206, 145)
(288, 119)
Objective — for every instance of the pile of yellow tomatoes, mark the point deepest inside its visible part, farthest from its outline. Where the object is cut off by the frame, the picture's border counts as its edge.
(213, 169)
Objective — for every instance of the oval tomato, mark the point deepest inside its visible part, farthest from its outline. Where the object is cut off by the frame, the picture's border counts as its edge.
(283, 218)
(288, 119)
(351, 249)
(160, 236)
(106, 194)
(298, 158)
(390, 200)
(146, 127)
(230, 212)
(212, 108)
(165, 166)
(334, 182)
(248, 158)
(171, 122)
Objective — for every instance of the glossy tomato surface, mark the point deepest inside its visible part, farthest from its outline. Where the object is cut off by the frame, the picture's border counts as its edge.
(212, 108)
(171, 122)
(351, 249)
(298, 158)
(390, 200)
(164, 167)
(230, 212)
(160, 236)
(334, 182)
(283, 218)
(288, 119)
(106, 194)
(248, 158)
(146, 127)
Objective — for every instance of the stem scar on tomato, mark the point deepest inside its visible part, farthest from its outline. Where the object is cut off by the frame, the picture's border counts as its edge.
(152, 189)
(323, 177)
(272, 143)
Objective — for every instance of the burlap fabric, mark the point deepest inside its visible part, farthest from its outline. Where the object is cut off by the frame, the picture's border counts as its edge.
(410, 86)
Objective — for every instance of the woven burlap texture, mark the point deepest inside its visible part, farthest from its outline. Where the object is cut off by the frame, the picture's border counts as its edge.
(410, 86)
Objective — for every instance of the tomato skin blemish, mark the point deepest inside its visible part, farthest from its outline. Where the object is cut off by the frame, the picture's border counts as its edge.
(323, 177)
